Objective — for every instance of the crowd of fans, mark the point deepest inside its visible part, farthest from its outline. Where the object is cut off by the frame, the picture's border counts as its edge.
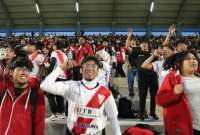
(147, 56)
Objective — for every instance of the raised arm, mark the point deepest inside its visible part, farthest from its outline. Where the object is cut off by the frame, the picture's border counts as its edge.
(147, 64)
(58, 88)
(172, 29)
(128, 40)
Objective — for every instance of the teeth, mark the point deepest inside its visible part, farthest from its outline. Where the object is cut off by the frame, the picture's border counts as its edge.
(23, 77)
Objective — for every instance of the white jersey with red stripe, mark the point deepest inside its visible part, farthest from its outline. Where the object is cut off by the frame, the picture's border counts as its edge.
(60, 57)
(82, 97)
(37, 60)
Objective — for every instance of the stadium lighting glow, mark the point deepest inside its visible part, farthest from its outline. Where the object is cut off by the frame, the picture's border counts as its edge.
(37, 8)
(152, 6)
(77, 7)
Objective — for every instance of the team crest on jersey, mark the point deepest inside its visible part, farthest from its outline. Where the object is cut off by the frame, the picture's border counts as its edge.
(101, 98)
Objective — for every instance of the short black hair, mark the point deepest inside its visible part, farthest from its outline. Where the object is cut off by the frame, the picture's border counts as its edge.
(180, 41)
(20, 61)
(18, 50)
(91, 58)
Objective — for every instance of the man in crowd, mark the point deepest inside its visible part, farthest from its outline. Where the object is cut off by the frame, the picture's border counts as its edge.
(89, 102)
(22, 110)
(147, 79)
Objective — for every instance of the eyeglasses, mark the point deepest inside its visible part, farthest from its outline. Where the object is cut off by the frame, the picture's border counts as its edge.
(93, 66)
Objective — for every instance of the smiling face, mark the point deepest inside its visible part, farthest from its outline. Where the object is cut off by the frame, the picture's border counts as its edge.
(89, 70)
(189, 65)
(20, 76)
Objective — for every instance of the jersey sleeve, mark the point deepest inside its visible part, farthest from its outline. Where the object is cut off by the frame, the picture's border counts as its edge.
(50, 85)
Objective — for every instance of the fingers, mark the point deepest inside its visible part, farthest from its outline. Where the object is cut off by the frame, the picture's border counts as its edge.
(67, 65)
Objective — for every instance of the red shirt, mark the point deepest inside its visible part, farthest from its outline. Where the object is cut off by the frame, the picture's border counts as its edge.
(81, 52)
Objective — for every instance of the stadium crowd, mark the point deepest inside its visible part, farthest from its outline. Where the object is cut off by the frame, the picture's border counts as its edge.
(167, 66)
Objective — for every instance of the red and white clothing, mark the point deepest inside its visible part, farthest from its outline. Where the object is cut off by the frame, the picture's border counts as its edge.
(176, 110)
(37, 60)
(81, 52)
(15, 114)
(90, 104)
(60, 57)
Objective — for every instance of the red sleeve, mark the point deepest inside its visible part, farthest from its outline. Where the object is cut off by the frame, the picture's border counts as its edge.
(40, 114)
(90, 50)
(166, 95)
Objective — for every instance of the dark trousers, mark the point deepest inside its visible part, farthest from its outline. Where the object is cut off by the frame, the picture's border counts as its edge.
(56, 103)
(120, 70)
(146, 82)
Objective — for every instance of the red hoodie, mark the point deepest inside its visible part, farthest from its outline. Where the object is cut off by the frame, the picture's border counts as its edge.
(15, 115)
(176, 111)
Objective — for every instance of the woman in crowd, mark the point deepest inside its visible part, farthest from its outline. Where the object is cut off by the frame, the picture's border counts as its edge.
(179, 95)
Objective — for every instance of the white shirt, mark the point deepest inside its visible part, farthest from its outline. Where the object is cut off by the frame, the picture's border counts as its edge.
(78, 96)
(104, 55)
(37, 60)
(192, 91)
(104, 74)
(58, 61)
(158, 68)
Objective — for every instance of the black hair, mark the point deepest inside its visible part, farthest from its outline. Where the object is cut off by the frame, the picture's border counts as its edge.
(180, 41)
(18, 50)
(170, 47)
(59, 45)
(20, 61)
(91, 58)
(175, 61)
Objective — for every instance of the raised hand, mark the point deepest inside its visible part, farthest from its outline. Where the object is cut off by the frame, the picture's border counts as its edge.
(157, 53)
(172, 28)
(130, 32)
(68, 64)
(178, 89)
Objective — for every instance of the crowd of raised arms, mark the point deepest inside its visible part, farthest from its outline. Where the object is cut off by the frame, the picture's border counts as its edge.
(81, 68)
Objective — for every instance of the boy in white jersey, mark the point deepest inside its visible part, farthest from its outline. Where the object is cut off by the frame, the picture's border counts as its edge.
(56, 102)
(36, 58)
(90, 104)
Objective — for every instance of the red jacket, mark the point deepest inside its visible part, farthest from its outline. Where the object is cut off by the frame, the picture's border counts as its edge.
(137, 131)
(121, 55)
(176, 111)
(85, 50)
(15, 116)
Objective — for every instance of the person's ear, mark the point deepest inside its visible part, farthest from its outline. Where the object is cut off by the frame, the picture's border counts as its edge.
(81, 70)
